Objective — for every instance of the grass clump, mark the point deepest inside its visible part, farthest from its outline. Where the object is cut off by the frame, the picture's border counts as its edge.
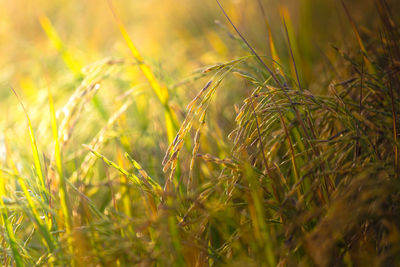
(305, 174)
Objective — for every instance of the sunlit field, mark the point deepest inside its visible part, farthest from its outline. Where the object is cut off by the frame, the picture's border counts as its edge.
(199, 133)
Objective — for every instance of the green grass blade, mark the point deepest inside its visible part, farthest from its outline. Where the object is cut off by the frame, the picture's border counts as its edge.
(35, 152)
(55, 39)
(144, 174)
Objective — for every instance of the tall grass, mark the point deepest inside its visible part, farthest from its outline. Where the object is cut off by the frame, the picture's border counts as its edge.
(305, 177)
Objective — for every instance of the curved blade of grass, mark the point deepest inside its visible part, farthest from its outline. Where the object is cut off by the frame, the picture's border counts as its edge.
(35, 152)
